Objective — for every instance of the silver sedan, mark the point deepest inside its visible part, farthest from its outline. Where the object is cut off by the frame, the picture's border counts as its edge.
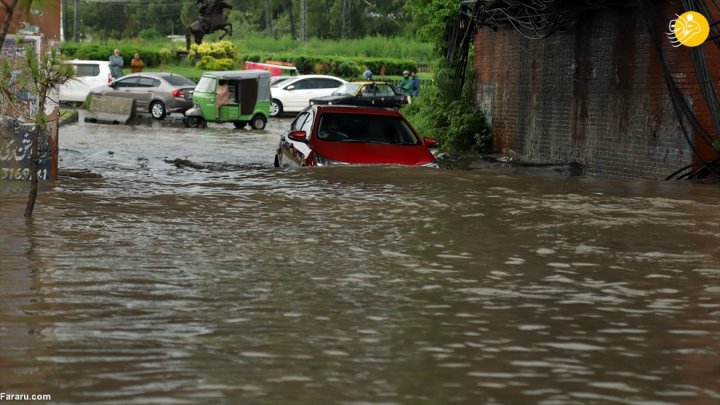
(157, 93)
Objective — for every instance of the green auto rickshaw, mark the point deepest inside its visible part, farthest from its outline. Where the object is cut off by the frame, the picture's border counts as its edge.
(237, 96)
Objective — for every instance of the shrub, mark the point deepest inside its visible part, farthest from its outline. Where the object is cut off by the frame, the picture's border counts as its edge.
(347, 68)
(210, 63)
(217, 50)
(166, 55)
(457, 124)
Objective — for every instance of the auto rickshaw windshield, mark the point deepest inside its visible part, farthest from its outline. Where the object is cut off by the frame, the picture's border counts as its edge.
(206, 85)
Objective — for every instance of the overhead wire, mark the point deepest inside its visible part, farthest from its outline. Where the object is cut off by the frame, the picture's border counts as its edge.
(538, 19)
(682, 110)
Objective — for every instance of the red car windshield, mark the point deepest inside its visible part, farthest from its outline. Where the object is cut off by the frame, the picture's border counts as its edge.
(365, 128)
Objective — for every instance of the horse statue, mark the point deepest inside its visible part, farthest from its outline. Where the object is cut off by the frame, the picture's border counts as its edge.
(211, 19)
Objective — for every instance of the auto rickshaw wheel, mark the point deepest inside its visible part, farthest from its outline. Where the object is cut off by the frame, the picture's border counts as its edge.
(195, 122)
(258, 122)
(239, 124)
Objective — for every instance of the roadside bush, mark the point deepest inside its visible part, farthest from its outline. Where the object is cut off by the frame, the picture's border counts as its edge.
(210, 63)
(457, 124)
(166, 55)
(347, 69)
(151, 56)
(217, 50)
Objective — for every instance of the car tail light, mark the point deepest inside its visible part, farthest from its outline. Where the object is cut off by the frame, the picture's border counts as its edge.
(177, 93)
(110, 78)
(405, 100)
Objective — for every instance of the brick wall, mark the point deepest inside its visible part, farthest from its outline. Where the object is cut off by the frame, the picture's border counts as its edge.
(594, 94)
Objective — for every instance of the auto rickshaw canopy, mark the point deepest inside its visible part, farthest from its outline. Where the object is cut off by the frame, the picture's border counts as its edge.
(262, 76)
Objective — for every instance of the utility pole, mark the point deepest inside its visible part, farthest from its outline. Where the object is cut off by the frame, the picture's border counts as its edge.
(63, 20)
(303, 21)
(268, 18)
(75, 23)
(293, 31)
(346, 19)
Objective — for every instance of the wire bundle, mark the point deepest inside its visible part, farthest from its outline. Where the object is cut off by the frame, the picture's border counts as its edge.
(688, 122)
(535, 19)
(538, 19)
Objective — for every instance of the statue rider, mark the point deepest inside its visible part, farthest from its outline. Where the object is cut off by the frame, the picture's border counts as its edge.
(216, 17)
(201, 6)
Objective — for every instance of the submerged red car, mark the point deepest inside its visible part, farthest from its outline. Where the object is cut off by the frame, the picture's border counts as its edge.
(324, 135)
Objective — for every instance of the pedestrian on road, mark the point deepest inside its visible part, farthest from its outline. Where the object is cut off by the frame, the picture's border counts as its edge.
(416, 84)
(116, 64)
(406, 85)
(136, 64)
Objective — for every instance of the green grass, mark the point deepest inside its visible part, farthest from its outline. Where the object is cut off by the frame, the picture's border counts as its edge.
(371, 47)
(268, 48)
(184, 70)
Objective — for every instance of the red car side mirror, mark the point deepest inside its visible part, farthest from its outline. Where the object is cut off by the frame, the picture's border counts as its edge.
(299, 136)
(430, 142)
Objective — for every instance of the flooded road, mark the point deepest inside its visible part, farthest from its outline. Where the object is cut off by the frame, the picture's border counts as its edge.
(192, 271)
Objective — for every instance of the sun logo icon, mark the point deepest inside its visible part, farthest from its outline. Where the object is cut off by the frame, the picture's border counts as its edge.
(689, 29)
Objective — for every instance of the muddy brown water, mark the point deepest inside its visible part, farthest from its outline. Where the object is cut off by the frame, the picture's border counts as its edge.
(192, 271)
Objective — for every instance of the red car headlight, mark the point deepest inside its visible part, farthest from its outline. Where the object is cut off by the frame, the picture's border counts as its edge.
(323, 161)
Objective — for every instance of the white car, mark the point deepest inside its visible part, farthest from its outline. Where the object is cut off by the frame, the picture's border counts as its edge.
(89, 74)
(294, 94)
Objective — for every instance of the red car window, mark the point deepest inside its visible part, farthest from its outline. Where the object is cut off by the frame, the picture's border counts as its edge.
(366, 128)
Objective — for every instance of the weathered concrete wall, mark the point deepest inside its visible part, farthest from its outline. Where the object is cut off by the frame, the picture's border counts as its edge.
(593, 95)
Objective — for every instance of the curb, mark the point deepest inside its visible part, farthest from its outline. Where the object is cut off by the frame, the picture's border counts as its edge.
(68, 117)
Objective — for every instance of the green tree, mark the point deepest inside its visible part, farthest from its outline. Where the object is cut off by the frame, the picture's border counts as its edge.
(429, 18)
(39, 76)
(446, 110)
(325, 18)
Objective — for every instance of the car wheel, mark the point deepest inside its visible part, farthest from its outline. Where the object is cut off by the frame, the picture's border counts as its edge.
(195, 122)
(239, 124)
(258, 122)
(157, 110)
(276, 108)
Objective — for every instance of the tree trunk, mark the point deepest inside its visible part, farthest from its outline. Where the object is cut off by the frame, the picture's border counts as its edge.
(34, 179)
(40, 126)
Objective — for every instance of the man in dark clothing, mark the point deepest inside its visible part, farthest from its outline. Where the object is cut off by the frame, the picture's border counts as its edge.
(416, 84)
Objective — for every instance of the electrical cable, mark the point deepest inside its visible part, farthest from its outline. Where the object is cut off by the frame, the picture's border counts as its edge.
(538, 19)
(682, 110)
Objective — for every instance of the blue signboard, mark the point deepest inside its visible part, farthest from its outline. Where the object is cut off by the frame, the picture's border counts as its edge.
(16, 125)
(16, 152)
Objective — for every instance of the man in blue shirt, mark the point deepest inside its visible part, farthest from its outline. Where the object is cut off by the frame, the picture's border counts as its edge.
(416, 84)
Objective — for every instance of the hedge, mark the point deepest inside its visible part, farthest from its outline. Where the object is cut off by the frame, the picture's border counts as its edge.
(153, 57)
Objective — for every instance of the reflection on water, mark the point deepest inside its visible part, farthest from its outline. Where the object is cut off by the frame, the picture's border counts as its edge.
(227, 280)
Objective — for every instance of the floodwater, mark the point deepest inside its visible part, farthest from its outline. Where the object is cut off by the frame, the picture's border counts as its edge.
(192, 271)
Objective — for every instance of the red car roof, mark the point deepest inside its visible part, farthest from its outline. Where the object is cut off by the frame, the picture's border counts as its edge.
(357, 110)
